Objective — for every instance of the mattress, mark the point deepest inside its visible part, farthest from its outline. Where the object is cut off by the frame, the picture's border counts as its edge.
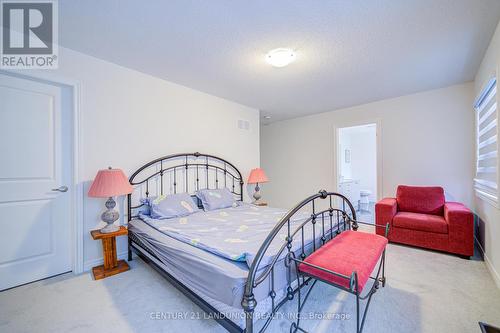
(235, 233)
(233, 313)
(221, 279)
(217, 279)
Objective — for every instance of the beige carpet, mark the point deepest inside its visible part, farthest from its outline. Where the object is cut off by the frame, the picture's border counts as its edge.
(426, 292)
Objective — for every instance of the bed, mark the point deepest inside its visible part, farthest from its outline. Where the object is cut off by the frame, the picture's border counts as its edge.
(234, 263)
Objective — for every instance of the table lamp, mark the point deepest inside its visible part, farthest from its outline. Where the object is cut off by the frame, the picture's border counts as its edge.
(257, 176)
(107, 184)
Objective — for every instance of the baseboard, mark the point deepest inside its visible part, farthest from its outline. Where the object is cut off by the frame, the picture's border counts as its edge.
(492, 270)
(87, 266)
(494, 274)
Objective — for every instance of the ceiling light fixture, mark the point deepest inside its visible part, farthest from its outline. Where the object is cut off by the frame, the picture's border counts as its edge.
(280, 57)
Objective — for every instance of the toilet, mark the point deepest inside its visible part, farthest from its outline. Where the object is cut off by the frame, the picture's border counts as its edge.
(364, 200)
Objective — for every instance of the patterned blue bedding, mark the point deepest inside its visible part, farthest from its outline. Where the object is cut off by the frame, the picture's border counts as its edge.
(234, 233)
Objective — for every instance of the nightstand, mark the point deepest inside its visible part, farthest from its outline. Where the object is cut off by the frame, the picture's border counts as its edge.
(261, 203)
(111, 265)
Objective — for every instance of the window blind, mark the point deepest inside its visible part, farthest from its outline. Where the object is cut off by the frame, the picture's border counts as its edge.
(486, 180)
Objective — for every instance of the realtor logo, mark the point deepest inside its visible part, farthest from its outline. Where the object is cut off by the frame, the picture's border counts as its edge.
(29, 34)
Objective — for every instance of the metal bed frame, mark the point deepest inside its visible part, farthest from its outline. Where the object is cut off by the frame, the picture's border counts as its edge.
(208, 171)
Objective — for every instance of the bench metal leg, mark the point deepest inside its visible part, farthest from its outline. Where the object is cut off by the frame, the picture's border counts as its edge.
(357, 313)
(295, 326)
(383, 270)
(372, 291)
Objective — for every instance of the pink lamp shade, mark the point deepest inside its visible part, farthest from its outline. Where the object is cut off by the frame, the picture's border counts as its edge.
(257, 176)
(110, 183)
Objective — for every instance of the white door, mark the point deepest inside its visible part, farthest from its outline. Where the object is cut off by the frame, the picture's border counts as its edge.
(35, 161)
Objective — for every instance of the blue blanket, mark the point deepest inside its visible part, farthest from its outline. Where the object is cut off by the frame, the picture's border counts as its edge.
(234, 233)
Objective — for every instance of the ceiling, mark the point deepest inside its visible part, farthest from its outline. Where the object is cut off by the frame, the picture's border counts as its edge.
(348, 52)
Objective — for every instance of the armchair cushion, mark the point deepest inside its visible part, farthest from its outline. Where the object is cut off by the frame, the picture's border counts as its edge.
(420, 199)
(422, 222)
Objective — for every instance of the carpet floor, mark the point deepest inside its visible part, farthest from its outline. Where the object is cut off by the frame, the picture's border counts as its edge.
(426, 291)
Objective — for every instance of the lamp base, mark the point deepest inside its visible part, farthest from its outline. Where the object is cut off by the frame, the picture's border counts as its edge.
(110, 216)
(256, 194)
(110, 228)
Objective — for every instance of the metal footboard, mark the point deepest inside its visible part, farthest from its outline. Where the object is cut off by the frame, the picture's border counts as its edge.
(331, 214)
(339, 215)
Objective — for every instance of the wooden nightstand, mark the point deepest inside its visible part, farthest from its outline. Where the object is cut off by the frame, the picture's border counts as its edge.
(111, 265)
(261, 203)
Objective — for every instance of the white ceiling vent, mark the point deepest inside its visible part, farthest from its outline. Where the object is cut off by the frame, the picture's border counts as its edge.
(243, 124)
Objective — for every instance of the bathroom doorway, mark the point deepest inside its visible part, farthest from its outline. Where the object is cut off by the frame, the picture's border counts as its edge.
(357, 168)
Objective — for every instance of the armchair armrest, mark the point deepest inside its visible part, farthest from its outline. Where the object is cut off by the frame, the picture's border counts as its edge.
(385, 210)
(460, 227)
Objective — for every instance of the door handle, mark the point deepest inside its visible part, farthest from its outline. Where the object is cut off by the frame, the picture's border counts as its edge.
(60, 189)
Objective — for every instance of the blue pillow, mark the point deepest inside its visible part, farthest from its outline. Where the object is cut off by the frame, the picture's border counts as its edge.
(216, 199)
(170, 206)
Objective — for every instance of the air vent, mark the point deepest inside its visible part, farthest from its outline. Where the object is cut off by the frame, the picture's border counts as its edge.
(243, 124)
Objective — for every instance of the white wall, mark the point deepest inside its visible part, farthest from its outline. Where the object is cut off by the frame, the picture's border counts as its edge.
(489, 215)
(362, 142)
(129, 118)
(426, 139)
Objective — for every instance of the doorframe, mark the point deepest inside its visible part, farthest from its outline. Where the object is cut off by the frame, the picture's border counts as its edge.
(77, 195)
(379, 157)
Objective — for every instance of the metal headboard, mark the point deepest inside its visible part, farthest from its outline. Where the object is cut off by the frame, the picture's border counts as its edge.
(186, 172)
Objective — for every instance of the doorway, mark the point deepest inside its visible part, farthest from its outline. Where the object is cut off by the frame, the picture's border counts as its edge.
(36, 179)
(357, 168)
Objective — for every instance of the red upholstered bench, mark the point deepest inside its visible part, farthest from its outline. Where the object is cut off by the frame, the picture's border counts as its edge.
(347, 262)
(349, 252)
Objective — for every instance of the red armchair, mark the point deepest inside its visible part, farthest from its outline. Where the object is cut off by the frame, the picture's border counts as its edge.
(419, 216)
